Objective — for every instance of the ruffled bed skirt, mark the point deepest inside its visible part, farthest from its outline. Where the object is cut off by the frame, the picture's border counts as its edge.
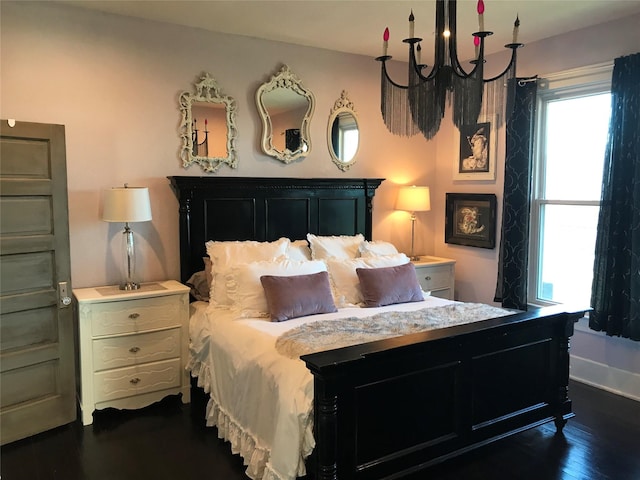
(255, 457)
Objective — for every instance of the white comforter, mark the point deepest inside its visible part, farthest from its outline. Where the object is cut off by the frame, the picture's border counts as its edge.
(261, 401)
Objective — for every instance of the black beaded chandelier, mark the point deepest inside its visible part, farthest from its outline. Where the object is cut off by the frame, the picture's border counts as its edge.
(419, 106)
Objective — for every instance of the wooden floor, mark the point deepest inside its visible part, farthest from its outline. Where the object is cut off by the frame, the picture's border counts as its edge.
(163, 442)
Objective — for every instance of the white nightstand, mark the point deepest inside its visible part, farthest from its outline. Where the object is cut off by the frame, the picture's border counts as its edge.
(436, 275)
(133, 345)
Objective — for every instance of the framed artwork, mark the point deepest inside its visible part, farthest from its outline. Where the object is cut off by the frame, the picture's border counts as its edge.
(471, 219)
(477, 149)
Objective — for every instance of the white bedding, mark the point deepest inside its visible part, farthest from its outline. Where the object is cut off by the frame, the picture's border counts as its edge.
(261, 401)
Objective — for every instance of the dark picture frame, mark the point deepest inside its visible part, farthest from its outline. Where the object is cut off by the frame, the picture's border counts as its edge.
(471, 219)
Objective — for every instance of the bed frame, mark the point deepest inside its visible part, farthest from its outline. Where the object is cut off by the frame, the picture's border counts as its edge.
(387, 409)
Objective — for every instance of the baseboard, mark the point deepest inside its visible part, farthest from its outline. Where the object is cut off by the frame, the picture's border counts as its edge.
(614, 380)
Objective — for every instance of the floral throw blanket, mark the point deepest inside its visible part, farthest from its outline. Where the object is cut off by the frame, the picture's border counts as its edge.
(329, 334)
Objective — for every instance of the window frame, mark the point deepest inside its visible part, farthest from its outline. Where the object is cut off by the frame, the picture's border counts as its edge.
(591, 80)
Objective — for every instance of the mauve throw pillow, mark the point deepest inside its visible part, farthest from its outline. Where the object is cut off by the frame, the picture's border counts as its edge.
(297, 295)
(389, 285)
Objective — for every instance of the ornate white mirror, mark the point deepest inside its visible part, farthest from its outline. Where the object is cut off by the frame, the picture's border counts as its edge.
(343, 136)
(286, 108)
(208, 128)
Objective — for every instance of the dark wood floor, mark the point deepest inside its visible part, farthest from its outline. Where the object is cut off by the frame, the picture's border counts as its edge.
(162, 442)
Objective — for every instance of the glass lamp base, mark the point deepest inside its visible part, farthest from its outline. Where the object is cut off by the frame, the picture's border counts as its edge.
(129, 261)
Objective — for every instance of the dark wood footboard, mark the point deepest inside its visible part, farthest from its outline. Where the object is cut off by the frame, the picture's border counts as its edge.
(386, 409)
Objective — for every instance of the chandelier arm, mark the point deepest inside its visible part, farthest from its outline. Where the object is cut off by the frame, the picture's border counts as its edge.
(432, 74)
(453, 41)
(512, 62)
(386, 74)
(459, 71)
(439, 50)
(438, 47)
(413, 65)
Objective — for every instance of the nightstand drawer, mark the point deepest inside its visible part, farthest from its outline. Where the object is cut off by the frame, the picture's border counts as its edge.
(444, 293)
(128, 350)
(133, 316)
(126, 382)
(435, 277)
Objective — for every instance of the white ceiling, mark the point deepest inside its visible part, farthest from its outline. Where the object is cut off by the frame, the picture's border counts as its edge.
(356, 26)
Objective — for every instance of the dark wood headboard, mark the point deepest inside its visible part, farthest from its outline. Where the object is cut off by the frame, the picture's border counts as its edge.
(265, 209)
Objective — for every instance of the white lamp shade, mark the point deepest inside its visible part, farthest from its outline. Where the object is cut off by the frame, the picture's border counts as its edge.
(126, 204)
(414, 199)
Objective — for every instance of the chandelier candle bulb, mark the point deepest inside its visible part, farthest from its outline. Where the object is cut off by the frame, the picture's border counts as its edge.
(411, 25)
(516, 26)
(476, 43)
(385, 41)
(481, 15)
(419, 54)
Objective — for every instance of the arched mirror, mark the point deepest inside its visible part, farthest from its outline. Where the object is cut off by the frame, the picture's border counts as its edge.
(208, 128)
(343, 136)
(286, 108)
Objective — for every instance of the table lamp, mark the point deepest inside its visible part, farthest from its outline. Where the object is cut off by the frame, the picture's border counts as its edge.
(127, 205)
(413, 199)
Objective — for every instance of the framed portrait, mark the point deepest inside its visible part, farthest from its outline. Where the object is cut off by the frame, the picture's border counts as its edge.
(477, 148)
(471, 220)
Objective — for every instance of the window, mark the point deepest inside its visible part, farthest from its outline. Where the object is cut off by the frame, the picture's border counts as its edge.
(571, 136)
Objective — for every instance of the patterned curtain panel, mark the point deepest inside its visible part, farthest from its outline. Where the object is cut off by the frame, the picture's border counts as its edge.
(615, 296)
(511, 289)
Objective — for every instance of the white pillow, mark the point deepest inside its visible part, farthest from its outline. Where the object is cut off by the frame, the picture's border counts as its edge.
(299, 250)
(377, 247)
(344, 279)
(334, 246)
(245, 289)
(224, 255)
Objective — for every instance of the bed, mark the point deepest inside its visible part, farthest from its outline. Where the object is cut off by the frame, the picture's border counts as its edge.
(387, 408)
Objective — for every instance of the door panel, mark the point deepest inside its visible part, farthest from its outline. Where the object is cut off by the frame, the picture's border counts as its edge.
(37, 359)
(24, 158)
(25, 216)
(27, 272)
(34, 326)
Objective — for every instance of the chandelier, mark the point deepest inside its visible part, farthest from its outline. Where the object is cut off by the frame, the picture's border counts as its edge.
(419, 106)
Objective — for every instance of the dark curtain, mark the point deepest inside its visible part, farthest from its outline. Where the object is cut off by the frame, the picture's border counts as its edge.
(615, 295)
(335, 137)
(511, 289)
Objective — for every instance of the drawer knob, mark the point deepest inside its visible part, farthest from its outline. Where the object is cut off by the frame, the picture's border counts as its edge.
(134, 381)
(133, 316)
(427, 278)
(134, 349)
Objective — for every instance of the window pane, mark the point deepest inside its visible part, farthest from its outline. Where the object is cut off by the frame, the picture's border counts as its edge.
(576, 137)
(350, 143)
(568, 243)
